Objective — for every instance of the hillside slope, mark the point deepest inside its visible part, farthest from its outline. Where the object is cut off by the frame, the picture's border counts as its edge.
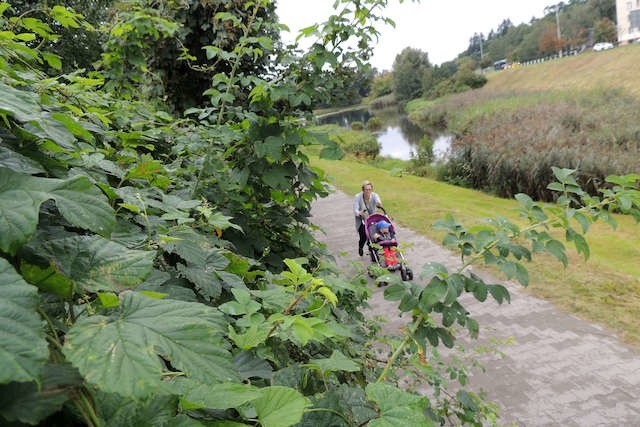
(615, 68)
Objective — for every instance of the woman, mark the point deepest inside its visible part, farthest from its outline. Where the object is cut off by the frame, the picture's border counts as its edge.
(364, 204)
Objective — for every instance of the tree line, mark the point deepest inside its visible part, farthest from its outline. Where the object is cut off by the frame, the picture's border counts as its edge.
(581, 24)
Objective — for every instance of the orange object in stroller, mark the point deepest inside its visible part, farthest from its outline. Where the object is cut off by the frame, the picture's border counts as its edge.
(385, 251)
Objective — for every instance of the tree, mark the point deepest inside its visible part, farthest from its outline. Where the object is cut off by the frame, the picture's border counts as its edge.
(605, 31)
(466, 75)
(409, 68)
(382, 85)
(574, 25)
(80, 44)
(549, 42)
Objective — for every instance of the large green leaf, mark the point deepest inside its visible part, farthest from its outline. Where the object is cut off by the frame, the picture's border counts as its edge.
(17, 162)
(84, 205)
(24, 350)
(117, 411)
(340, 402)
(337, 362)
(280, 406)
(97, 264)
(79, 201)
(123, 353)
(47, 279)
(252, 366)
(21, 104)
(397, 408)
(217, 396)
(31, 402)
(196, 249)
(204, 278)
(46, 127)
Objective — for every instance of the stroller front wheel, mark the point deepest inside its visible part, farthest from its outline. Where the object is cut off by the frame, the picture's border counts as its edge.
(406, 273)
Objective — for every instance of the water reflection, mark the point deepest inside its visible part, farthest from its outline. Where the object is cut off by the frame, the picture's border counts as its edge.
(394, 144)
(399, 138)
(345, 118)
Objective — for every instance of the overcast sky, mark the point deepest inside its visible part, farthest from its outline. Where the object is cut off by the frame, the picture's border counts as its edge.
(442, 28)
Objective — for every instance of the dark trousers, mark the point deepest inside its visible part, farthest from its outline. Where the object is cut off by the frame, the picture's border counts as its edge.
(363, 236)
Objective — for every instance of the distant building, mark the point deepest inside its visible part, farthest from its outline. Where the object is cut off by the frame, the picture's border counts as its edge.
(628, 12)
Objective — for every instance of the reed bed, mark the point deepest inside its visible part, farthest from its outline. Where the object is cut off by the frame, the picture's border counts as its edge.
(507, 142)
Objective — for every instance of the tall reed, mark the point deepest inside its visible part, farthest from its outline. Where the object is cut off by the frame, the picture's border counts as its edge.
(507, 143)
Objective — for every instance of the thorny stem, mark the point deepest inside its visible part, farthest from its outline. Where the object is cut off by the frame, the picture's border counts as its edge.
(408, 339)
(82, 400)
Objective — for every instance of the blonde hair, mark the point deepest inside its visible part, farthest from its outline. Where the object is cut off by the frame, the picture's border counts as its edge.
(365, 183)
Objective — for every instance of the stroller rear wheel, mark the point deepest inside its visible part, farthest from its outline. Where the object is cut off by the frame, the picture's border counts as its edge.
(406, 273)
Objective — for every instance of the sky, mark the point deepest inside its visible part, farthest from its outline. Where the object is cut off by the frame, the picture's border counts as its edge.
(442, 28)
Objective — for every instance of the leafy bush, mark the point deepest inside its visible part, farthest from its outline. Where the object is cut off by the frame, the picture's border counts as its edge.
(383, 102)
(157, 270)
(357, 125)
(421, 162)
(359, 143)
(374, 124)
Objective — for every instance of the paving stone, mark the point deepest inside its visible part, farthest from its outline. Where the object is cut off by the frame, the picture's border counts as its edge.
(560, 370)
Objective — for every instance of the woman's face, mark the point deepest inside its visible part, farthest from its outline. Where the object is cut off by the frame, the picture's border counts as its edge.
(368, 189)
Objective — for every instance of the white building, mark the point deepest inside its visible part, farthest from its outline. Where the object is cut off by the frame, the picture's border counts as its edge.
(628, 13)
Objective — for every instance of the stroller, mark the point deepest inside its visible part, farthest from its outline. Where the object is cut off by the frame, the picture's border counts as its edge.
(384, 252)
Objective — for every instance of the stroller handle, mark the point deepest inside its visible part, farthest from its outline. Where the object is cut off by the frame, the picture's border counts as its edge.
(383, 209)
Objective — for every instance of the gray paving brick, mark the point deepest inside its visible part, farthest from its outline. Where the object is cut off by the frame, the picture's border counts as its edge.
(560, 370)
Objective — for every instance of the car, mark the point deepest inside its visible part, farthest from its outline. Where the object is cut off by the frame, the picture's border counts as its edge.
(602, 46)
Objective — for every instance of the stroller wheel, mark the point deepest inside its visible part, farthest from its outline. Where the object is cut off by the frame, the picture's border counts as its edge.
(403, 273)
(409, 274)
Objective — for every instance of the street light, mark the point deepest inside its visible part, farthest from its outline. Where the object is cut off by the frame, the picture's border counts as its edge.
(556, 8)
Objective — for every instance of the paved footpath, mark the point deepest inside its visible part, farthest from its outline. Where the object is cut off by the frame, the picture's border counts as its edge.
(559, 370)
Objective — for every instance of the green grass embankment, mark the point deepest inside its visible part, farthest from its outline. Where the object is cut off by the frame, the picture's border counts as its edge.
(615, 69)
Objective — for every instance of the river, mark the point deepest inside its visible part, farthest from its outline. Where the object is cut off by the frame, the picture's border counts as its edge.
(399, 138)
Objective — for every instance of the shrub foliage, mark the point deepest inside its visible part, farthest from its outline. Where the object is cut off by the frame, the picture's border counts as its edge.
(160, 270)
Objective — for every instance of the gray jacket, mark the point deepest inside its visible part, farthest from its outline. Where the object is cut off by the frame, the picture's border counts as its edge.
(361, 209)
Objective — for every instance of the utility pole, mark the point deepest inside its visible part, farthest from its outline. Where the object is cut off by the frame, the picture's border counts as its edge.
(558, 28)
(556, 8)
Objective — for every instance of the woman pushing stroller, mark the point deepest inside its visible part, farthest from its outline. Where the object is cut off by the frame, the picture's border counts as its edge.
(377, 231)
(365, 203)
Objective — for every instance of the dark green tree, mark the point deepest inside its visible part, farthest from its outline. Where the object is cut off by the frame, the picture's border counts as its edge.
(605, 31)
(79, 45)
(409, 70)
(382, 85)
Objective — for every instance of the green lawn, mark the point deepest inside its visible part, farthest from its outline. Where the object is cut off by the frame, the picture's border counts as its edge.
(605, 289)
